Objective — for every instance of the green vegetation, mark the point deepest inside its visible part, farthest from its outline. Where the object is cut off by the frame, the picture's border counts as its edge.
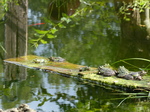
(134, 66)
(55, 26)
(62, 19)
(85, 9)
(4, 6)
(129, 9)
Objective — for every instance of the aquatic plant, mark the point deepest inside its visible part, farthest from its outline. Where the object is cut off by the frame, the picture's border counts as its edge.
(138, 59)
(145, 95)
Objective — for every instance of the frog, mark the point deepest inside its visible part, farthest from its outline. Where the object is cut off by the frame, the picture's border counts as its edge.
(142, 72)
(106, 71)
(138, 75)
(39, 60)
(122, 72)
(56, 59)
(86, 68)
(129, 77)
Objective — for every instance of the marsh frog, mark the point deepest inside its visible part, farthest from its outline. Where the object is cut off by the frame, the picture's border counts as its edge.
(106, 71)
(86, 68)
(39, 60)
(122, 72)
(56, 59)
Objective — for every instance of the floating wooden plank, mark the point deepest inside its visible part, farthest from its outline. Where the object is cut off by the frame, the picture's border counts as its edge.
(70, 69)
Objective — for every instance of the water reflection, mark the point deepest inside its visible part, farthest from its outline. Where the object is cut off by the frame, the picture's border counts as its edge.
(47, 92)
(57, 8)
(15, 44)
(15, 92)
(134, 34)
(14, 73)
(96, 39)
(99, 38)
(92, 40)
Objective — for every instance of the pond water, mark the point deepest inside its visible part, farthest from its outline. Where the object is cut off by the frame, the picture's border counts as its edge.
(96, 38)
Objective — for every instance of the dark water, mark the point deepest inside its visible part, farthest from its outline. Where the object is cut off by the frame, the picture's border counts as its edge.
(97, 38)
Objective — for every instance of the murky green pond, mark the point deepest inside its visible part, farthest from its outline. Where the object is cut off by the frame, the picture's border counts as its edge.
(96, 38)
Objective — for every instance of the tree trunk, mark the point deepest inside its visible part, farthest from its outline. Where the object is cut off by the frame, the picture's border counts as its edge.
(16, 29)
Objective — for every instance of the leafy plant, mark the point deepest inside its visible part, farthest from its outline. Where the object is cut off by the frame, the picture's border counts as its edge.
(72, 20)
(128, 8)
(4, 4)
(40, 34)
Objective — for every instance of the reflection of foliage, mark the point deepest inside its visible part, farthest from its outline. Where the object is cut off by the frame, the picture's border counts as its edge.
(41, 34)
(4, 6)
(92, 34)
(54, 28)
(85, 10)
(42, 6)
(133, 7)
(17, 92)
(57, 8)
(134, 96)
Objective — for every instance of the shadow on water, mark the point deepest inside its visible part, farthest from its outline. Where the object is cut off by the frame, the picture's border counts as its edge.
(96, 39)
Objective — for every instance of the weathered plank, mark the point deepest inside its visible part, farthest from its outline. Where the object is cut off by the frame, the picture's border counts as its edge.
(73, 70)
(16, 29)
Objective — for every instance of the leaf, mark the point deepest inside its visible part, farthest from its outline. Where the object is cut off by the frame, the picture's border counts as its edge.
(41, 36)
(36, 44)
(50, 36)
(65, 15)
(3, 48)
(43, 41)
(127, 19)
(61, 25)
(53, 30)
(128, 13)
(65, 19)
(42, 103)
(41, 31)
(33, 40)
